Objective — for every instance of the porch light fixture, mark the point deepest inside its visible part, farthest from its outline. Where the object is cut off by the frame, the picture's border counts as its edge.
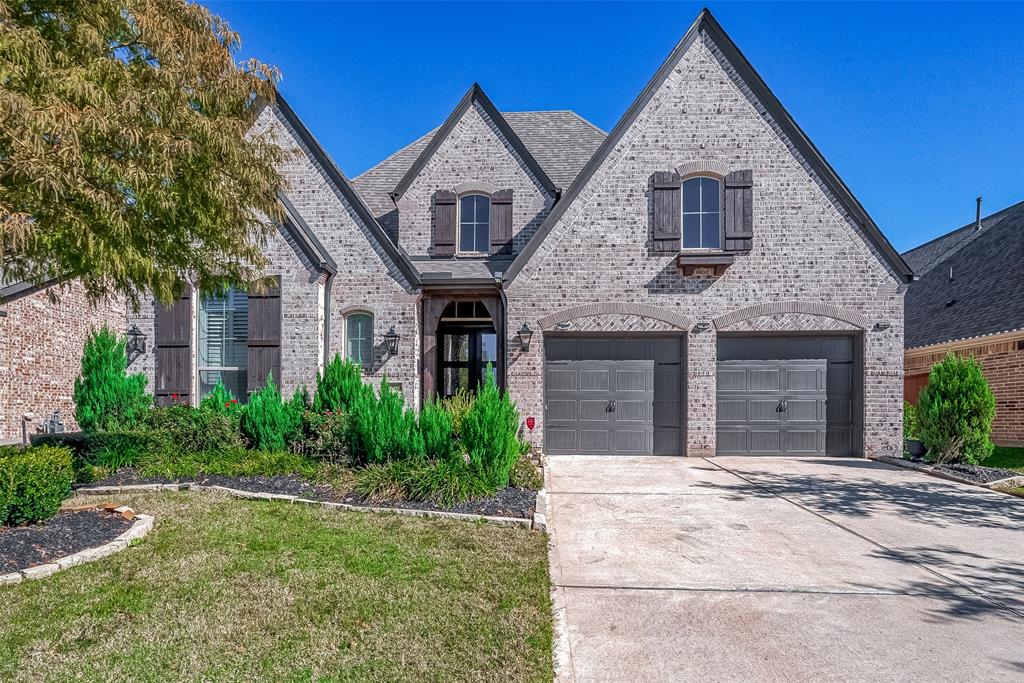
(525, 335)
(135, 345)
(391, 341)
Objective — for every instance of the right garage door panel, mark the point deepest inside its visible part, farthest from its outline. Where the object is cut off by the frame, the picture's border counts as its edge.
(788, 395)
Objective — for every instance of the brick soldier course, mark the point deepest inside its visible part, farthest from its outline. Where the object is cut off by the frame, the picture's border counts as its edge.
(595, 248)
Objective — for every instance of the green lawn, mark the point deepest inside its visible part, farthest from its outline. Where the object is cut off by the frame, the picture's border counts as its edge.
(230, 590)
(1006, 457)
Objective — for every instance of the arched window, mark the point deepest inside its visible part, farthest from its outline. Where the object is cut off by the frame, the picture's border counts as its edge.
(702, 225)
(359, 339)
(475, 224)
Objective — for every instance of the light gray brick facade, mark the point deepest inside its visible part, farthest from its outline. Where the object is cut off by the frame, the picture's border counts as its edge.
(806, 251)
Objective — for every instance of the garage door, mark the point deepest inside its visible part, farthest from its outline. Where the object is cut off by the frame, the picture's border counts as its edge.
(787, 396)
(612, 396)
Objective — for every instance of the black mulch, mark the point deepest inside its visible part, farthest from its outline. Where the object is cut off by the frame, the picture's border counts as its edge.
(509, 502)
(64, 534)
(977, 473)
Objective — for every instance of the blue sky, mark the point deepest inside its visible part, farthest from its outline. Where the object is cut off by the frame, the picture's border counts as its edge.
(919, 107)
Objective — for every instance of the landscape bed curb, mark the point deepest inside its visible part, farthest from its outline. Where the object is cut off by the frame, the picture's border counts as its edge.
(253, 495)
(928, 469)
(141, 525)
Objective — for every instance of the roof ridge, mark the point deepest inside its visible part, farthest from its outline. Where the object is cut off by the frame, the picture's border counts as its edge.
(962, 227)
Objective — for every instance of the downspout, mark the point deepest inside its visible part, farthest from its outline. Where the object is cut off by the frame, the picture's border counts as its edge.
(327, 318)
(502, 338)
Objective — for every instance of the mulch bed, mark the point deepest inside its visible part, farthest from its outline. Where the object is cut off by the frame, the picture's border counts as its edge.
(66, 533)
(975, 473)
(509, 502)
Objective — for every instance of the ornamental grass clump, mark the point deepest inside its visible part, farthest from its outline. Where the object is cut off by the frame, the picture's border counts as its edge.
(955, 412)
(105, 395)
(33, 482)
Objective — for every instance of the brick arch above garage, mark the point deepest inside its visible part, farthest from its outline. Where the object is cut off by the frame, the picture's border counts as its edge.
(625, 316)
(792, 315)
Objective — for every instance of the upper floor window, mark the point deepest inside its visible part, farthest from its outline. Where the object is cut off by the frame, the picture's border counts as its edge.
(475, 224)
(223, 342)
(359, 339)
(701, 213)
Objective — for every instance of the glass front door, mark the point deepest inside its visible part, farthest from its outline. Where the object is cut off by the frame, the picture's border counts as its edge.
(466, 353)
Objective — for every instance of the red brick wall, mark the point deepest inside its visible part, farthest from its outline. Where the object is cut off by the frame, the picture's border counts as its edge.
(1002, 363)
(41, 352)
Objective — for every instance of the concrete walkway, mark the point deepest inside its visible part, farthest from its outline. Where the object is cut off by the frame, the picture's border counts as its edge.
(803, 569)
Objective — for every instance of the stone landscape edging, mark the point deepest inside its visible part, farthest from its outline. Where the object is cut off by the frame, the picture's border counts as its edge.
(141, 525)
(1017, 480)
(255, 495)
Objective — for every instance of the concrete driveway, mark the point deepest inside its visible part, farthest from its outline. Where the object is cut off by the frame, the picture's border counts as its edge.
(797, 569)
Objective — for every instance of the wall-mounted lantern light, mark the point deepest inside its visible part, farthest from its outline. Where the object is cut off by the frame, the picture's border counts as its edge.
(525, 335)
(135, 345)
(391, 341)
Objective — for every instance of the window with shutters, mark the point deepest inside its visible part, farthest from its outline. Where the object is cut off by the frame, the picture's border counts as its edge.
(223, 342)
(702, 225)
(359, 339)
(474, 224)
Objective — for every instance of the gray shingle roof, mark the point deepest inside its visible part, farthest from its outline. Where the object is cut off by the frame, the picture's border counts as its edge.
(561, 141)
(985, 295)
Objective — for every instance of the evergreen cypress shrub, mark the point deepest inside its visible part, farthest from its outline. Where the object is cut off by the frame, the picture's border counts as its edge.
(381, 427)
(489, 433)
(955, 411)
(33, 482)
(266, 420)
(438, 432)
(340, 385)
(105, 396)
(295, 409)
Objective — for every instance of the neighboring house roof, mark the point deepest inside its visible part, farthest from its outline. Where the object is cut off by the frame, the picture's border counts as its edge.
(705, 24)
(986, 293)
(475, 95)
(560, 141)
(338, 179)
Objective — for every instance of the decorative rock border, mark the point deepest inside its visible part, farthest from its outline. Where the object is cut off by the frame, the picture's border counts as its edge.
(348, 507)
(142, 525)
(928, 469)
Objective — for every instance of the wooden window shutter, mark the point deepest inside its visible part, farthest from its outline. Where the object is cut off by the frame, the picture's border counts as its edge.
(667, 204)
(501, 222)
(738, 210)
(172, 351)
(445, 228)
(264, 334)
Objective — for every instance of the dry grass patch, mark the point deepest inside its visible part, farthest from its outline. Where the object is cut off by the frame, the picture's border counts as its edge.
(230, 590)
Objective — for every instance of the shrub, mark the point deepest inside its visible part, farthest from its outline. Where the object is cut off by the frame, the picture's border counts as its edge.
(382, 429)
(266, 421)
(438, 432)
(221, 400)
(955, 411)
(183, 429)
(911, 426)
(441, 482)
(340, 385)
(33, 482)
(526, 475)
(489, 434)
(295, 409)
(457, 405)
(237, 462)
(105, 395)
(324, 435)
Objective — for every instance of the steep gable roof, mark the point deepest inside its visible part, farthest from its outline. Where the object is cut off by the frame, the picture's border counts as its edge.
(338, 179)
(475, 95)
(561, 141)
(705, 24)
(984, 295)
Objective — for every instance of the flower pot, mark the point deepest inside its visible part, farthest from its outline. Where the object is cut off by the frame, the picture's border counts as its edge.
(915, 449)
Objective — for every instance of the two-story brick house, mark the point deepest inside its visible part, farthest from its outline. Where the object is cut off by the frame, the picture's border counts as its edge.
(697, 281)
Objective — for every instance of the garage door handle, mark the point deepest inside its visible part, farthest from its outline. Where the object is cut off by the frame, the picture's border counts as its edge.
(611, 406)
(781, 408)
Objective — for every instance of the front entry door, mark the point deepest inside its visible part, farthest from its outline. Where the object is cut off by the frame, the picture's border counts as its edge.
(464, 354)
